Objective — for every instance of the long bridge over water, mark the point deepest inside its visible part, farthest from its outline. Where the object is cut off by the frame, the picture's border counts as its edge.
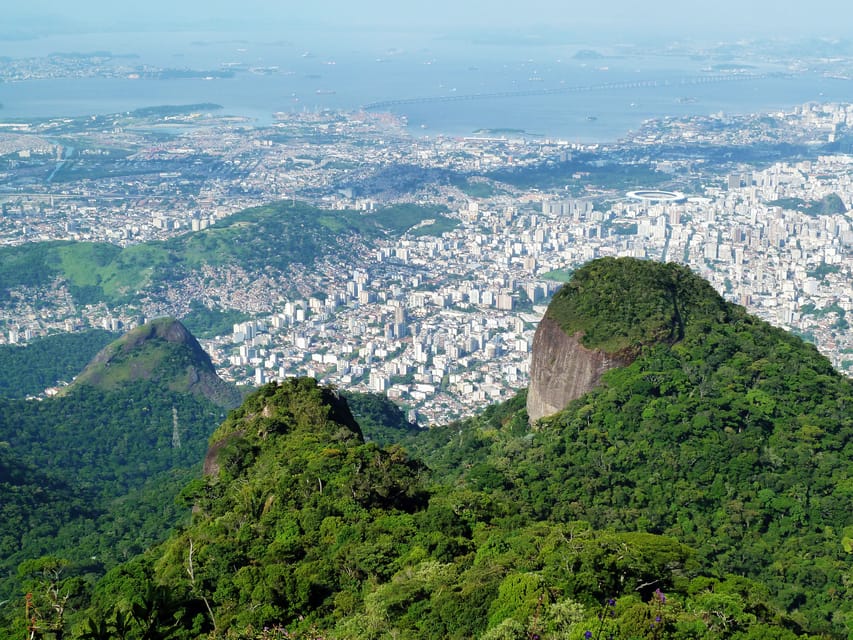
(604, 86)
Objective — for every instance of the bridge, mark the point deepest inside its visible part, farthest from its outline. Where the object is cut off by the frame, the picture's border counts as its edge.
(604, 86)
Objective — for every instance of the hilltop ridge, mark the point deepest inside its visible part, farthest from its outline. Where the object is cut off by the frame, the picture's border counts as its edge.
(163, 351)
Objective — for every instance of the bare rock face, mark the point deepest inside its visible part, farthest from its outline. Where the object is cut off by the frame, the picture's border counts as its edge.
(562, 369)
(211, 459)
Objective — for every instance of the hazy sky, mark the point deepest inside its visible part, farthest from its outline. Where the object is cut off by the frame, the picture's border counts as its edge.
(714, 19)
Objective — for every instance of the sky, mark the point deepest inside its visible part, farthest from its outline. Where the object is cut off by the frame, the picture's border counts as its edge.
(736, 18)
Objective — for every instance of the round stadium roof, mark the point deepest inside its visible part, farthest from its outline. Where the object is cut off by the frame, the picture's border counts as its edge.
(655, 195)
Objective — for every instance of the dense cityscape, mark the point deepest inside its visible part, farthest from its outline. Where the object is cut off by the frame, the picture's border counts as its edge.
(440, 319)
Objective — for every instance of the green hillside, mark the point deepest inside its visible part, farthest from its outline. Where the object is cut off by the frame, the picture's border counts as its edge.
(164, 351)
(703, 491)
(828, 205)
(726, 433)
(298, 522)
(33, 502)
(270, 237)
(108, 470)
(302, 529)
(625, 304)
(381, 421)
(93, 474)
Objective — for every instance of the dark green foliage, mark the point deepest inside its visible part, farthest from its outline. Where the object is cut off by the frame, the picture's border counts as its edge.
(620, 305)
(794, 204)
(474, 188)
(33, 506)
(821, 271)
(400, 218)
(826, 206)
(728, 434)
(30, 369)
(208, 323)
(272, 236)
(286, 505)
(702, 491)
(161, 350)
(108, 472)
(110, 457)
(174, 110)
(299, 523)
(623, 176)
(381, 420)
(27, 265)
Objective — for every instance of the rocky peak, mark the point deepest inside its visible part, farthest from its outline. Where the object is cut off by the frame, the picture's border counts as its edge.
(603, 318)
(163, 351)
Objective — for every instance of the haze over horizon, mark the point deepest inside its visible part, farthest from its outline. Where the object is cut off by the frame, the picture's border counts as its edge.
(618, 18)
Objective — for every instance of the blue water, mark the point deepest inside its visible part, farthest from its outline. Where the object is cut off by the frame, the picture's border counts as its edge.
(315, 73)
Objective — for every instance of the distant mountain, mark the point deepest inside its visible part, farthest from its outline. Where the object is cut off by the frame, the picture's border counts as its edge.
(587, 54)
(162, 351)
(92, 474)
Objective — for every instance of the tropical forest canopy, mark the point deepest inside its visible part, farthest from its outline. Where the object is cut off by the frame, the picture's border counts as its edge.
(27, 370)
(703, 491)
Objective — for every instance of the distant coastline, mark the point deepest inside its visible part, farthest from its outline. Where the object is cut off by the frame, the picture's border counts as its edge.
(175, 110)
(573, 98)
(503, 131)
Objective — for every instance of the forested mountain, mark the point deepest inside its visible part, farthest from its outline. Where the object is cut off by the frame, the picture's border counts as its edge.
(162, 351)
(701, 491)
(724, 432)
(298, 522)
(92, 475)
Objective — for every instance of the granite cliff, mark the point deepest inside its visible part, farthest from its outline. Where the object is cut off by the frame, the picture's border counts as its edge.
(562, 369)
(604, 317)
